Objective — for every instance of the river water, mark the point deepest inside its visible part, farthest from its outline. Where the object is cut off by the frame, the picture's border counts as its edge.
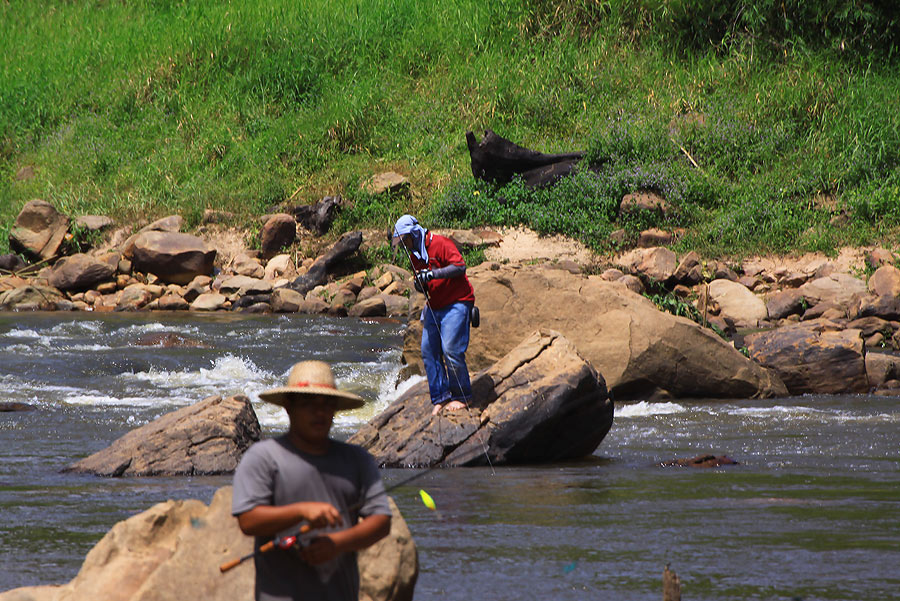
(811, 512)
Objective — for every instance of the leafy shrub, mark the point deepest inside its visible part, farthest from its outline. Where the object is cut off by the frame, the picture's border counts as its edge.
(846, 26)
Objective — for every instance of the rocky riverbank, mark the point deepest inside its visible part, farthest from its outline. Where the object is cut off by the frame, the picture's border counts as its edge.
(801, 324)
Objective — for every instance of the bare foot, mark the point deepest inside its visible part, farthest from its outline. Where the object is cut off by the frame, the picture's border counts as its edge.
(437, 409)
(456, 406)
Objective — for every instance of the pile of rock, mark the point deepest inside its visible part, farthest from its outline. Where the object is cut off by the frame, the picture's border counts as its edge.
(821, 328)
(759, 293)
(161, 268)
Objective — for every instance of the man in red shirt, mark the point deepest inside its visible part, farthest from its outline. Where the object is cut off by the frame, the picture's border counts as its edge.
(441, 274)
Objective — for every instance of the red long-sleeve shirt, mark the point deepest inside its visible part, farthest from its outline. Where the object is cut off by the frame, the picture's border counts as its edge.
(441, 253)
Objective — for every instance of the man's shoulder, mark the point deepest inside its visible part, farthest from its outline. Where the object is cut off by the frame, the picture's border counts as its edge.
(267, 448)
(348, 449)
(444, 246)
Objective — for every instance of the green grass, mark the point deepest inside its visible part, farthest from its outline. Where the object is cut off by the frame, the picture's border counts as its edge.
(138, 110)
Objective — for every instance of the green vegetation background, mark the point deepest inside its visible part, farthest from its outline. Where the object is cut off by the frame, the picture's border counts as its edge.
(768, 126)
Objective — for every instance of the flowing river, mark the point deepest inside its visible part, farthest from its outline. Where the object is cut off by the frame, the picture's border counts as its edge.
(811, 512)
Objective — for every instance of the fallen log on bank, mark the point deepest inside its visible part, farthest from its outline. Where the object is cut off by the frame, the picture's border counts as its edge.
(496, 159)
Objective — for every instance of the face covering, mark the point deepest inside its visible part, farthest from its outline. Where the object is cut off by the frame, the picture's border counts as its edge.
(408, 225)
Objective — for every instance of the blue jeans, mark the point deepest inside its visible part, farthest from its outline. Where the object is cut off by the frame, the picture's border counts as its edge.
(444, 344)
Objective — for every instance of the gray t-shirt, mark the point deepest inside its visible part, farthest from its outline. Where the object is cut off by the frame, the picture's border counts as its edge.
(274, 472)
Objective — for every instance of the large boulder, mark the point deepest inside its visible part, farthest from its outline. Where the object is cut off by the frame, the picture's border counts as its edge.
(173, 257)
(836, 288)
(174, 549)
(813, 357)
(885, 281)
(80, 272)
(207, 437)
(738, 303)
(541, 402)
(39, 230)
(641, 351)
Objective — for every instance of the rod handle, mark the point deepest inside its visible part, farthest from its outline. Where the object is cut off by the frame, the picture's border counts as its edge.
(231, 564)
(265, 548)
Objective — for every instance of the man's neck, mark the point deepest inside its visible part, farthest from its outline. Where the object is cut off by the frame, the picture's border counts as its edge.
(308, 446)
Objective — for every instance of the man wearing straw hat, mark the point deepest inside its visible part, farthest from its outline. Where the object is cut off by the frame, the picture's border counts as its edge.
(305, 478)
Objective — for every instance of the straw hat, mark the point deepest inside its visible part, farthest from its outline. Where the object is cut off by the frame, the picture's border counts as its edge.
(311, 378)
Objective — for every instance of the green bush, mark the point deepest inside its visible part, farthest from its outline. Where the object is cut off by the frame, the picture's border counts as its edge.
(856, 29)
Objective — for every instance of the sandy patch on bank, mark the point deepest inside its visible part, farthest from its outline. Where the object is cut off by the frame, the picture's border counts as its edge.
(849, 260)
(521, 244)
(228, 242)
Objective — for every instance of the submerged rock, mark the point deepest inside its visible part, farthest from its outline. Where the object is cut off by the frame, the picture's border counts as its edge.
(541, 402)
(701, 461)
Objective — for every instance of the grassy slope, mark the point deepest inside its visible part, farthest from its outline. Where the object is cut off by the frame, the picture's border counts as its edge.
(138, 110)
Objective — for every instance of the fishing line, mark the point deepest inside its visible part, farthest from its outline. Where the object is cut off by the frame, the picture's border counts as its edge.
(437, 325)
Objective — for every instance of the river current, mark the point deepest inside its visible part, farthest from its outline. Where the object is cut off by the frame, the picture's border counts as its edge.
(811, 512)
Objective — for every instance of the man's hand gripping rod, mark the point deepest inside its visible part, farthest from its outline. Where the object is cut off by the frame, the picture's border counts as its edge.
(288, 541)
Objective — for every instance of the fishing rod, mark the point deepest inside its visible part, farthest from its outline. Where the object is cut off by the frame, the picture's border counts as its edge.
(291, 540)
(423, 284)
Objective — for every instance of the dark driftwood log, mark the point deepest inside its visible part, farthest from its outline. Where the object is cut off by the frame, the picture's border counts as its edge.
(496, 159)
(318, 273)
(318, 217)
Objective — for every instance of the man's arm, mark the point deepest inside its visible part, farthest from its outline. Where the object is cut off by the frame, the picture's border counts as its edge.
(269, 520)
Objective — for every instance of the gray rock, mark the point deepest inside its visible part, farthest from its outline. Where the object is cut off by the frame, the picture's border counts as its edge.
(783, 303)
(285, 300)
(38, 231)
(171, 224)
(11, 262)
(318, 272)
(372, 307)
(32, 297)
(653, 263)
(541, 402)
(174, 258)
(80, 272)
(207, 437)
(279, 231)
(690, 270)
(813, 357)
(209, 301)
(737, 302)
(94, 223)
(881, 368)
